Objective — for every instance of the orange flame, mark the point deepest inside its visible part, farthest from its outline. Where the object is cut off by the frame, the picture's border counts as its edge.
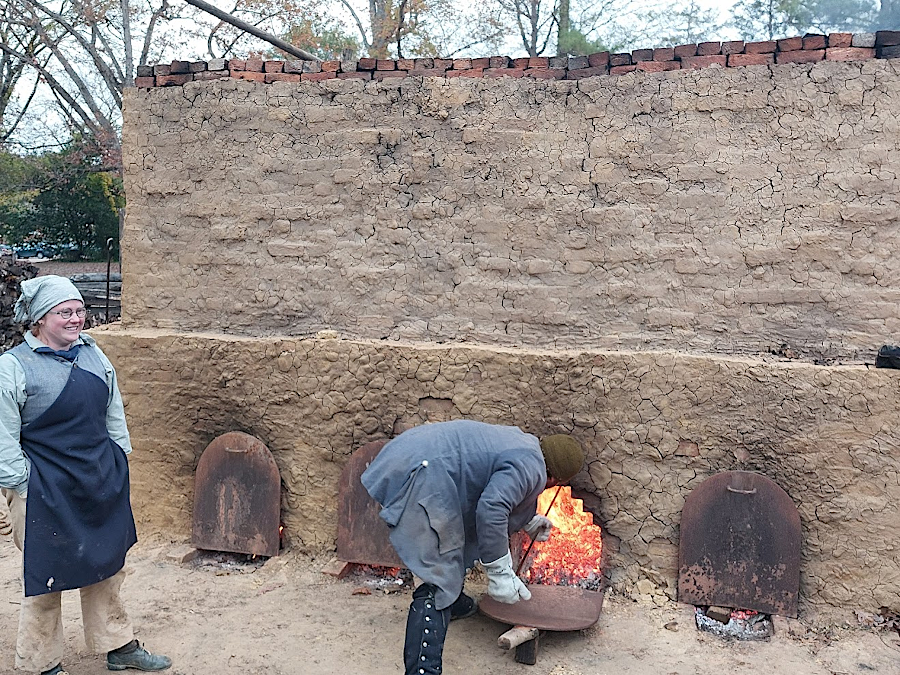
(571, 557)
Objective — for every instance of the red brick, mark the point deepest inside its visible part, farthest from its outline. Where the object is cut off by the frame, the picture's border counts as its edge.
(162, 69)
(245, 75)
(791, 44)
(658, 66)
(504, 72)
(462, 64)
(800, 56)
(694, 62)
(427, 72)
(483, 62)
(685, 50)
(406, 64)
(331, 66)
(273, 66)
(766, 47)
(539, 62)
(282, 77)
(471, 72)
(443, 64)
(173, 80)
(735, 60)
(546, 73)
(641, 55)
(733, 47)
(840, 40)
(814, 42)
(598, 59)
(582, 73)
(385, 74)
(498, 62)
(849, 53)
(210, 75)
(519, 63)
(709, 48)
(318, 77)
(355, 75)
(179, 67)
(623, 59)
(237, 64)
(621, 70)
(385, 64)
(664, 54)
(254, 65)
(424, 63)
(145, 82)
(366, 63)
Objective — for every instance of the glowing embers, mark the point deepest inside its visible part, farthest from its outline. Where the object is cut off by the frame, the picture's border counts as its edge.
(571, 557)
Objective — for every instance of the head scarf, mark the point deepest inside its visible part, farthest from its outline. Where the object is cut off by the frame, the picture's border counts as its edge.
(41, 294)
(563, 456)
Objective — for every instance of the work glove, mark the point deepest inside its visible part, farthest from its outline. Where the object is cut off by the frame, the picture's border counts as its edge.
(503, 584)
(538, 528)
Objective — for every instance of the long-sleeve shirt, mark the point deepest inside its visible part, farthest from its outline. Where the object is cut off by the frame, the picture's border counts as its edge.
(14, 465)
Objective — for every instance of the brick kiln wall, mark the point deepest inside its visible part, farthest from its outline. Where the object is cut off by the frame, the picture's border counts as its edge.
(654, 426)
(718, 210)
(724, 212)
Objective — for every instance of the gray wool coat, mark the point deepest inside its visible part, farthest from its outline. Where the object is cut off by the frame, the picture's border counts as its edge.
(453, 492)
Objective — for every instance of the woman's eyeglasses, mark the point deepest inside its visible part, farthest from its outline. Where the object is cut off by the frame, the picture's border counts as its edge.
(66, 314)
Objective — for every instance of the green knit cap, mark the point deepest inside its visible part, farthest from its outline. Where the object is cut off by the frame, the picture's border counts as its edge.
(563, 456)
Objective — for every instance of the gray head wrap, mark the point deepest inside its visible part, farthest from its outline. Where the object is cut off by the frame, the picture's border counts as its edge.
(41, 294)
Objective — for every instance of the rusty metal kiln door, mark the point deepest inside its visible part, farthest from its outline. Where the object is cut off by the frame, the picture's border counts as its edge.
(740, 545)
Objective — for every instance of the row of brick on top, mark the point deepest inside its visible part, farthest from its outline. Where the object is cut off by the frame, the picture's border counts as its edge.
(806, 49)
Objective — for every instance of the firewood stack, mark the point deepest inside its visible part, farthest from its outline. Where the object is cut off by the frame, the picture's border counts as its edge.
(12, 274)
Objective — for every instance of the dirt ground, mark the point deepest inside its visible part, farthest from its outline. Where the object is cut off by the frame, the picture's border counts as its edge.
(66, 269)
(285, 617)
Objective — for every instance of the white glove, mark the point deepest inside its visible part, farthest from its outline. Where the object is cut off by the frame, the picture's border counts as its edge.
(503, 584)
(538, 528)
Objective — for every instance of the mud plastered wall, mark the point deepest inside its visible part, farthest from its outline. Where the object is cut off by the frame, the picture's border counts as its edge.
(722, 213)
(724, 210)
(654, 426)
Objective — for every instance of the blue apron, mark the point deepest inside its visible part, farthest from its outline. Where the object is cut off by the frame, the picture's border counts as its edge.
(79, 524)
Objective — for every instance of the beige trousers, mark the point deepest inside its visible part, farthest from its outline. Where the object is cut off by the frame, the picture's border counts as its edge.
(39, 643)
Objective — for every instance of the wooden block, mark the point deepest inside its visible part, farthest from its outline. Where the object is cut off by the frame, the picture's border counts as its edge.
(337, 568)
(182, 554)
(527, 652)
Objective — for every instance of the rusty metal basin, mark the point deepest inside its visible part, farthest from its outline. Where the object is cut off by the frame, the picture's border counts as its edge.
(555, 608)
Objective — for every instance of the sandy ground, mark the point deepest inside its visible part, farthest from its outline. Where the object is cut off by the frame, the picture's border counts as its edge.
(285, 617)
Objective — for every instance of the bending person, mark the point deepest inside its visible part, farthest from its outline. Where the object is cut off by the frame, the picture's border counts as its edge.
(64, 474)
(451, 493)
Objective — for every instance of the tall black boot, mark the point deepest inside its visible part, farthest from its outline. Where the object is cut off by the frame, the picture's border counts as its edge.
(426, 630)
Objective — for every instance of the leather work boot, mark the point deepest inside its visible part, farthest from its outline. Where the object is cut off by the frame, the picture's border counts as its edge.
(55, 670)
(463, 607)
(133, 655)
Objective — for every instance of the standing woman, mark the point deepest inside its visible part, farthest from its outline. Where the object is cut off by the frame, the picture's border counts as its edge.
(63, 446)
